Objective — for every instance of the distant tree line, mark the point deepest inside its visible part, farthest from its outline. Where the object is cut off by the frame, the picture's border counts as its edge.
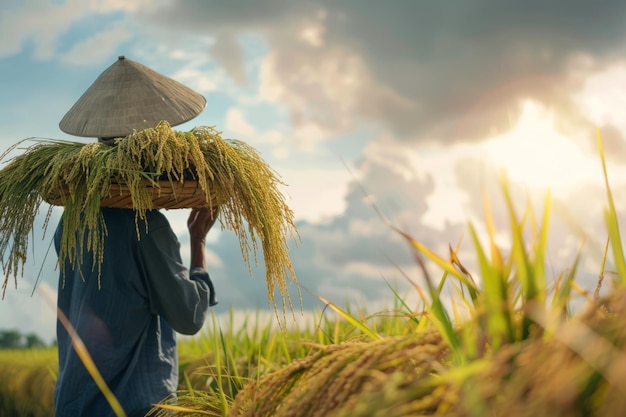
(13, 339)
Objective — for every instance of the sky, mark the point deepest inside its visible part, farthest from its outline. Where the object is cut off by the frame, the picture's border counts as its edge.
(410, 107)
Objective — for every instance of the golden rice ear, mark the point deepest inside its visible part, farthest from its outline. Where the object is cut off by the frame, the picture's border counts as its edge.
(144, 171)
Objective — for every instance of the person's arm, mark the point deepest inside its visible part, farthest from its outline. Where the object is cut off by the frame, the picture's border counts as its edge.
(199, 223)
(179, 295)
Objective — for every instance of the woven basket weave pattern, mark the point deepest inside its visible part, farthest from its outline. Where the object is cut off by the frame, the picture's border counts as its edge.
(165, 194)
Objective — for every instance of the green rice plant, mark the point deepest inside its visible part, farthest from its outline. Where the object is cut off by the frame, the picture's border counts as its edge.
(225, 359)
(351, 319)
(436, 314)
(511, 286)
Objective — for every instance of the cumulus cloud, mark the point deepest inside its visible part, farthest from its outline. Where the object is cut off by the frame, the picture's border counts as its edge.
(97, 47)
(329, 91)
(227, 52)
(354, 254)
(237, 123)
(435, 70)
(38, 21)
(43, 22)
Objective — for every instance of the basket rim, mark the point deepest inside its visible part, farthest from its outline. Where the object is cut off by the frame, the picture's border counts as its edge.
(166, 194)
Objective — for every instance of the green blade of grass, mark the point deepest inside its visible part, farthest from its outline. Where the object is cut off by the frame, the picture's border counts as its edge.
(519, 255)
(437, 313)
(457, 264)
(497, 303)
(403, 303)
(560, 301)
(444, 264)
(497, 261)
(610, 216)
(562, 294)
(349, 318)
(218, 366)
(441, 320)
(596, 293)
(541, 249)
(531, 294)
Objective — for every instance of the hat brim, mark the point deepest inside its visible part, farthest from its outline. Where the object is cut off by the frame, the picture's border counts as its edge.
(127, 97)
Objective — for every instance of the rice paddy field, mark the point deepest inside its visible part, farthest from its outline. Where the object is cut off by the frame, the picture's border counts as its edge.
(508, 342)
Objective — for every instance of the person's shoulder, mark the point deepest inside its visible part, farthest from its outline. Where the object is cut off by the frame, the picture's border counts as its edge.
(156, 226)
(155, 218)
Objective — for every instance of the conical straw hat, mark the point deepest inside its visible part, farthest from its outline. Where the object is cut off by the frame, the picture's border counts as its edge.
(129, 96)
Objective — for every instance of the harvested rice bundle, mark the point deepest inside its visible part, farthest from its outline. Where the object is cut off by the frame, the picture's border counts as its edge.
(82, 177)
(393, 375)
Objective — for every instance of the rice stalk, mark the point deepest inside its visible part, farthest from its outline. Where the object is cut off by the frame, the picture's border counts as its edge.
(228, 172)
(336, 378)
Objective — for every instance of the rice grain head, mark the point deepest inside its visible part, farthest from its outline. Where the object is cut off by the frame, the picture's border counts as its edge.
(228, 172)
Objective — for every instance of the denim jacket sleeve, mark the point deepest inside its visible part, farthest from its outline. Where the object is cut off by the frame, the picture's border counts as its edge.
(180, 296)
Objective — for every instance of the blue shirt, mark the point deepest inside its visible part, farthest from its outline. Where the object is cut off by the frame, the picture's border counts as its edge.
(128, 318)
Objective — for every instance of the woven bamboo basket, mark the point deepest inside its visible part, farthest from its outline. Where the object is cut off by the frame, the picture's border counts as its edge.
(165, 194)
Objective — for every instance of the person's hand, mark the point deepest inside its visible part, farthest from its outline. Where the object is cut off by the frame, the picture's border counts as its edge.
(200, 222)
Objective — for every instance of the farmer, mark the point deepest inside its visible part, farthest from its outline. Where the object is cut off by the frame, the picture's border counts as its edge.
(127, 309)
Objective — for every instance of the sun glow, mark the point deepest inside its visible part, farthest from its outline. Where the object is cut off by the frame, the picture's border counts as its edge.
(536, 154)
(601, 100)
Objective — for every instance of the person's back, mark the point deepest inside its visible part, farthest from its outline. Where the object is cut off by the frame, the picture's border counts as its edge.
(127, 311)
(126, 316)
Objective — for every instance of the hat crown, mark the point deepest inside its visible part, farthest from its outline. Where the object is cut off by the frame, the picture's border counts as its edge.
(129, 96)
